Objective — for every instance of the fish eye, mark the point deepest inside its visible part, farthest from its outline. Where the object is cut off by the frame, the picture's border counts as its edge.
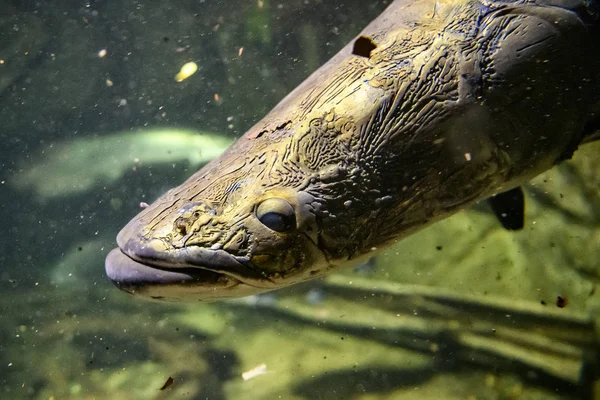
(276, 214)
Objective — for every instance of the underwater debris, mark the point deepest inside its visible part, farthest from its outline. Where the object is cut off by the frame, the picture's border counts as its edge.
(363, 46)
(254, 372)
(167, 383)
(187, 70)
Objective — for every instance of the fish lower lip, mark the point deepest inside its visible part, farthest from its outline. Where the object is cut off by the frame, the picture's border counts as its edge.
(191, 260)
(129, 274)
(159, 283)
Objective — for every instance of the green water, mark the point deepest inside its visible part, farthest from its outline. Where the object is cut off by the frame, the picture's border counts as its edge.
(462, 310)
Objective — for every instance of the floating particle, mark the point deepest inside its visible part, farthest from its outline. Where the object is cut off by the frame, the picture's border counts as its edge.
(468, 156)
(561, 302)
(363, 46)
(102, 53)
(167, 383)
(187, 70)
(254, 372)
(240, 51)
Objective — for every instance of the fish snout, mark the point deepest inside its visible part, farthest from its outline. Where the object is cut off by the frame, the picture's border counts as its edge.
(182, 284)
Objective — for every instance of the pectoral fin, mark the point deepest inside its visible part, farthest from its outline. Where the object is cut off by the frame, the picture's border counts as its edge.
(509, 208)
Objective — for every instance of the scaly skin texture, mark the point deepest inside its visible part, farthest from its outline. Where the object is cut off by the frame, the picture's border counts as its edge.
(459, 100)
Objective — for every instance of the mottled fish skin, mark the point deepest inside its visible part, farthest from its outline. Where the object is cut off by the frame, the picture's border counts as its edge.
(458, 100)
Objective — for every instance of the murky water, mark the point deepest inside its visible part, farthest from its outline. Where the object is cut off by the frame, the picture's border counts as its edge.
(95, 123)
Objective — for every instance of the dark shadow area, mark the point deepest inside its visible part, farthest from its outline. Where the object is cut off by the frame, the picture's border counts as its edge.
(448, 354)
(345, 384)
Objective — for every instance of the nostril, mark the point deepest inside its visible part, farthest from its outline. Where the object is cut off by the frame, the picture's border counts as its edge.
(181, 227)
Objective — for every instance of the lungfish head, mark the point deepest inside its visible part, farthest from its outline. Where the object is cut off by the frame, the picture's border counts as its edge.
(253, 220)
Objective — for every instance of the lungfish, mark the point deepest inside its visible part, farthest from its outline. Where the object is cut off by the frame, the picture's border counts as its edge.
(435, 105)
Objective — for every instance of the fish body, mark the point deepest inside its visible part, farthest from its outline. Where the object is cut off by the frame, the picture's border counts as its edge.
(434, 106)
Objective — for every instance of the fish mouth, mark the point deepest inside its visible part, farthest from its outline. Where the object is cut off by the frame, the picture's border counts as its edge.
(181, 274)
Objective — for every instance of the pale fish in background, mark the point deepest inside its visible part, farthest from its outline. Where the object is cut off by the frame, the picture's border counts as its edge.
(76, 166)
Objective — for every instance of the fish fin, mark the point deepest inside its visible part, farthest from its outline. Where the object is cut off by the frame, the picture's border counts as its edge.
(591, 131)
(509, 208)
(592, 138)
(367, 267)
